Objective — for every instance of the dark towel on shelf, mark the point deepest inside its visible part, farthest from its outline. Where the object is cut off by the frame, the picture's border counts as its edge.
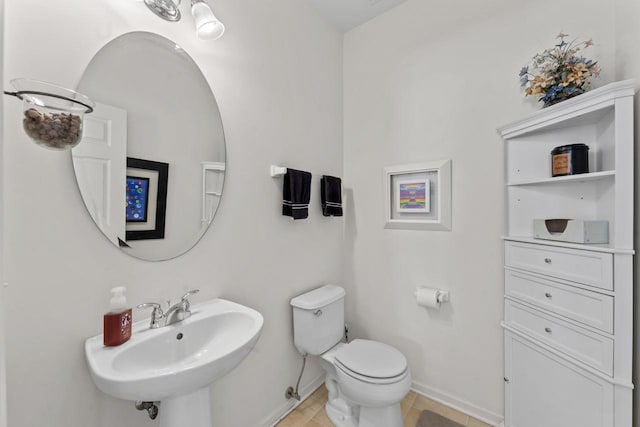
(331, 193)
(296, 192)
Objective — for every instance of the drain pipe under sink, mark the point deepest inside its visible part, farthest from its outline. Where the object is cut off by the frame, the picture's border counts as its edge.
(151, 407)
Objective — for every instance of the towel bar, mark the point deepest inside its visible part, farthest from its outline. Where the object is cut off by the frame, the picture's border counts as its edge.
(278, 171)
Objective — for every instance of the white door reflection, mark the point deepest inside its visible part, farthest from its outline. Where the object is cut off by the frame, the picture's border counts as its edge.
(100, 164)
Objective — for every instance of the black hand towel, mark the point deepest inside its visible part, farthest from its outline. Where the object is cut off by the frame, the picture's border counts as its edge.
(296, 192)
(331, 193)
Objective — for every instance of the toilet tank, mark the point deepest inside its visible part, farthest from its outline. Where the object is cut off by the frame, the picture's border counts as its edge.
(318, 319)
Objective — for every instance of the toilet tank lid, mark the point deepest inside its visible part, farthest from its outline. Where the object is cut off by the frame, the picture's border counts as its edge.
(319, 297)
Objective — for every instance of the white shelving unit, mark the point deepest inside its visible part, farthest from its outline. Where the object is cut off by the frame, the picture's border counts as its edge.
(569, 307)
(212, 180)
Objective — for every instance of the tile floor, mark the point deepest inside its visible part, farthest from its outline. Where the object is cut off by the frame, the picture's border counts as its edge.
(310, 413)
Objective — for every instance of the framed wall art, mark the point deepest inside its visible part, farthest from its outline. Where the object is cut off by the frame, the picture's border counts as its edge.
(146, 199)
(418, 196)
(412, 195)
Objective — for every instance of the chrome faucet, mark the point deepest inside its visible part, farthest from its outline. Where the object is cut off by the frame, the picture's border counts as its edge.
(176, 313)
(180, 310)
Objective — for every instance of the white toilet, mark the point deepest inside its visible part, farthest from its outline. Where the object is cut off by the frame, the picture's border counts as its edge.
(366, 379)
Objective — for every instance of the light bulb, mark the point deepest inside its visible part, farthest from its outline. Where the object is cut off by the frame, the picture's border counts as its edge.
(208, 27)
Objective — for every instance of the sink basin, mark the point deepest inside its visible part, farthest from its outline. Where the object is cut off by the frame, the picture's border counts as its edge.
(175, 360)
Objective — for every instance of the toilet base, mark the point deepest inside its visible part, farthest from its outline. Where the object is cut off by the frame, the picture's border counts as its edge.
(389, 416)
(342, 414)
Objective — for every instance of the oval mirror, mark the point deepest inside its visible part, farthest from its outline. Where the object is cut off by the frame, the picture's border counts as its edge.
(151, 164)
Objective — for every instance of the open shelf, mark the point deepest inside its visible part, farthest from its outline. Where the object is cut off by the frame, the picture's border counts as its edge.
(583, 177)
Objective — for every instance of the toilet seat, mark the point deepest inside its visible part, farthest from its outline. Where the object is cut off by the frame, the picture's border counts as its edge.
(371, 362)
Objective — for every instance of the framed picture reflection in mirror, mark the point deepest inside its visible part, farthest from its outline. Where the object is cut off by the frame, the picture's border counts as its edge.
(146, 199)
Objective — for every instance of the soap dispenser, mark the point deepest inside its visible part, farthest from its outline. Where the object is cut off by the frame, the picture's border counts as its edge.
(117, 322)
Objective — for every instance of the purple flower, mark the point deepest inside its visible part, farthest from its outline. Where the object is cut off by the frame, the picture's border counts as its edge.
(524, 70)
(552, 93)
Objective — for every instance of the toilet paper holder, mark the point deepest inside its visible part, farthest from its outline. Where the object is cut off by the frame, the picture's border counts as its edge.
(441, 296)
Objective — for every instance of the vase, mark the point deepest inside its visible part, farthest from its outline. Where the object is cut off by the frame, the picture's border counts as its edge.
(553, 102)
(559, 99)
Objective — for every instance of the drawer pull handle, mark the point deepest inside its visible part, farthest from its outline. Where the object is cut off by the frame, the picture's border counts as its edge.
(547, 260)
(547, 330)
(547, 294)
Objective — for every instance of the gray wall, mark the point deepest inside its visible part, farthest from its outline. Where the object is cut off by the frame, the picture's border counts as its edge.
(429, 81)
(425, 81)
(3, 375)
(280, 96)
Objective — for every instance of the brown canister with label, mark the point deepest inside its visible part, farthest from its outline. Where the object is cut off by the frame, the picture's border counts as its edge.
(570, 160)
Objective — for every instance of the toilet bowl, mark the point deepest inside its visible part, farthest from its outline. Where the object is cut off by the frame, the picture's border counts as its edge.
(366, 380)
(368, 384)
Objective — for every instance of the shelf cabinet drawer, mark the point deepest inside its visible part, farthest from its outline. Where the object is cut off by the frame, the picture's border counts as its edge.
(576, 265)
(588, 307)
(593, 349)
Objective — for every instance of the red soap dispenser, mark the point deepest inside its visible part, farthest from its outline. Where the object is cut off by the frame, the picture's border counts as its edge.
(117, 322)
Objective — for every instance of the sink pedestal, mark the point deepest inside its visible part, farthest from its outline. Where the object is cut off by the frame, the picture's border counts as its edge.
(193, 410)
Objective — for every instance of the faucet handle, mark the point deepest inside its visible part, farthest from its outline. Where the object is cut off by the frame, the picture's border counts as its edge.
(186, 304)
(186, 296)
(156, 314)
(154, 305)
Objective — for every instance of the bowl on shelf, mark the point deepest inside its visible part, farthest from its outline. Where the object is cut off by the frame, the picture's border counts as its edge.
(52, 115)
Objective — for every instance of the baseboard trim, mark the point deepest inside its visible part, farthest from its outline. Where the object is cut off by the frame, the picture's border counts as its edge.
(458, 404)
(432, 393)
(285, 409)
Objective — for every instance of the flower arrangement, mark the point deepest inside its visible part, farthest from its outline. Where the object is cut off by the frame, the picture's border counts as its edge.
(560, 72)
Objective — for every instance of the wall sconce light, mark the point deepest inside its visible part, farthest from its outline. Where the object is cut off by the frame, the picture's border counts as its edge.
(208, 27)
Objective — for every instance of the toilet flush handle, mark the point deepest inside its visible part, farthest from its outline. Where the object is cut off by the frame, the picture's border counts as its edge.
(317, 313)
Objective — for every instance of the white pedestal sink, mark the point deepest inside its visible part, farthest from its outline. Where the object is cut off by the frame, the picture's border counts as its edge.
(175, 364)
(191, 410)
